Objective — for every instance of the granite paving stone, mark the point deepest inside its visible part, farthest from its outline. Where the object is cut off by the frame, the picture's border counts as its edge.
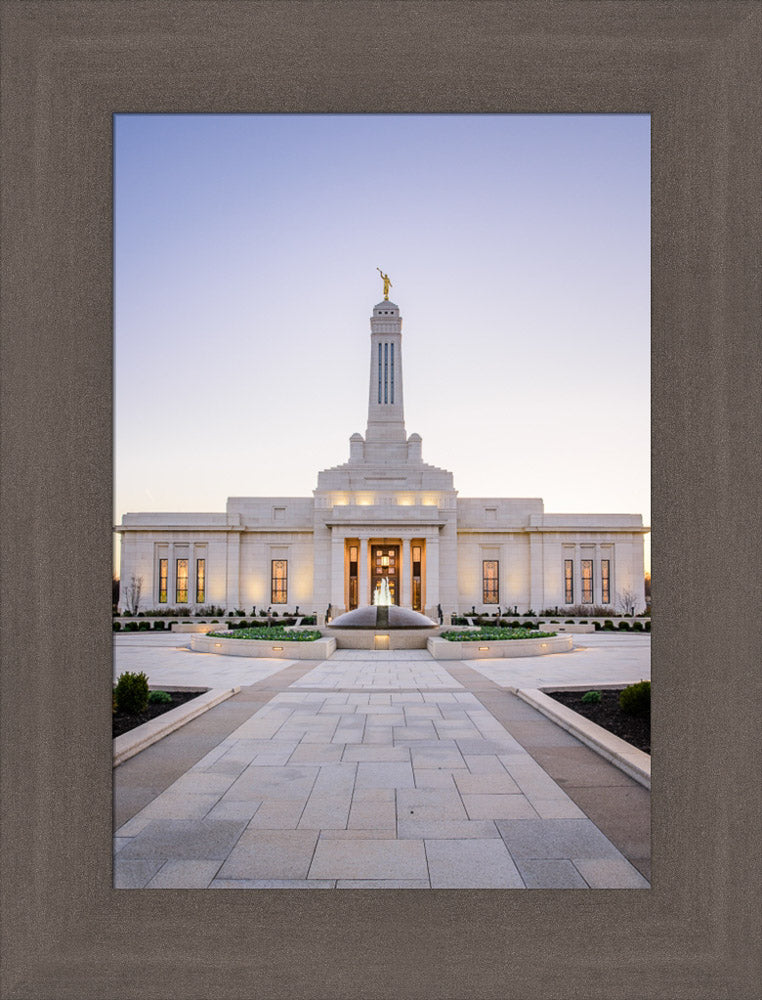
(369, 859)
(609, 873)
(184, 875)
(134, 874)
(473, 864)
(262, 854)
(550, 875)
(184, 839)
(555, 839)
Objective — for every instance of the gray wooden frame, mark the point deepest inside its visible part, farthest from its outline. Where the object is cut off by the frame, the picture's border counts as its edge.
(67, 67)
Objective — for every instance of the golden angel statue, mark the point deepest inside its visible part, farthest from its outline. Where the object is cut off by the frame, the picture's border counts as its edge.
(387, 282)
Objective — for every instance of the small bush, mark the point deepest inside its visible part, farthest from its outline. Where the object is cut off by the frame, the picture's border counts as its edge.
(131, 693)
(598, 626)
(648, 626)
(636, 699)
(158, 625)
(160, 697)
(569, 621)
(116, 626)
(624, 626)
(637, 626)
(144, 626)
(591, 698)
(130, 626)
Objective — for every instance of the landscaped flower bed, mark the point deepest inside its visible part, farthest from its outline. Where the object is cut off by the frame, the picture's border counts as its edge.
(123, 722)
(269, 634)
(494, 634)
(605, 711)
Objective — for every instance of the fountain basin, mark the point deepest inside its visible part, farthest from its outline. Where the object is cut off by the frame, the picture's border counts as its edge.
(382, 626)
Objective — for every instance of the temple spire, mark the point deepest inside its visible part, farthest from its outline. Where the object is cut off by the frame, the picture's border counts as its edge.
(386, 417)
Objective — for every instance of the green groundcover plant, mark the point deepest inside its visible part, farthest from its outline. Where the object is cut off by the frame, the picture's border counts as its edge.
(269, 634)
(496, 633)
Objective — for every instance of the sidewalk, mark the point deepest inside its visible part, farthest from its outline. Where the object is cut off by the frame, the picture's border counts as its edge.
(376, 770)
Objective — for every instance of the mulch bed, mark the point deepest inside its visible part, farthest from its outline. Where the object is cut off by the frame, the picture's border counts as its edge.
(635, 729)
(124, 722)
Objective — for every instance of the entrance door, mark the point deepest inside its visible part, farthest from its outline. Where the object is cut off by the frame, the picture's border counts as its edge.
(385, 562)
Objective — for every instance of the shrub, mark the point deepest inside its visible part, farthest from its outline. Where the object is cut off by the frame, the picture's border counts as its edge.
(116, 626)
(497, 634)
(144, 626)
(624, 626)
(159, 697)
(131, 693)
(637, 626)
(636, 699)
(158, 625)
(530, 614)
(569, 621)
(598, 626)
(591, 698)
(648, 626)
(277, 632)
(608, 625)
(130, 626)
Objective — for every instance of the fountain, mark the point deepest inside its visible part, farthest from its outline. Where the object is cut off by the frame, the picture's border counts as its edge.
(398, 627)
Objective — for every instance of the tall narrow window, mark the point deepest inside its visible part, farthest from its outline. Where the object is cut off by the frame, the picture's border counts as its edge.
(379, 373)
(200, 581)
(568, 581)
(181, 582)
(605, 582)
(417, 595)
(392, 373)
(386, 373)
(279, 583)
(587, 581)
(163, 576)
(353, 577)
(490, 582)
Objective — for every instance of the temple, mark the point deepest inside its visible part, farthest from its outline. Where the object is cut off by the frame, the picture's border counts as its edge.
(383, 514)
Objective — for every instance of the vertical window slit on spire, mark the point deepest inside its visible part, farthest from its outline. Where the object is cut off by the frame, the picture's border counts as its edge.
(386, 373)
(392, 367)
(379, 373)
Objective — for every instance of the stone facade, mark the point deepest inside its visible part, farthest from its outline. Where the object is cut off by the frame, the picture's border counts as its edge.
(384, 512)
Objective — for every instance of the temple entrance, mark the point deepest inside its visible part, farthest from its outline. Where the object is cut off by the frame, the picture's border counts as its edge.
(385, 562)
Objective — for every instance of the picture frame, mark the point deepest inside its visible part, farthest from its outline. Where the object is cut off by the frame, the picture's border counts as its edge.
(68, 67)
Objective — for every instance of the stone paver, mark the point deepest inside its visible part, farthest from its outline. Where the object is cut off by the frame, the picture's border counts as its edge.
(373, 772)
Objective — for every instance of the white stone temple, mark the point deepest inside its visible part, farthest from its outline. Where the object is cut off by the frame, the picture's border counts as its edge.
(384, 513)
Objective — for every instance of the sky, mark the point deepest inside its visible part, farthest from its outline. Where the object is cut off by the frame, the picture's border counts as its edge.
(246, 250)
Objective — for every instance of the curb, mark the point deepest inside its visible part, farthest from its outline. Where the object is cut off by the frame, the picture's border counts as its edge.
(635, 763)
(138, 739)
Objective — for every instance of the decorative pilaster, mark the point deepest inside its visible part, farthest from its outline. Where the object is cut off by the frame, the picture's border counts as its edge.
(363, 588)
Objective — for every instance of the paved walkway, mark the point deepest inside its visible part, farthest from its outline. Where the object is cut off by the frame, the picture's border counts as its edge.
(377, 770)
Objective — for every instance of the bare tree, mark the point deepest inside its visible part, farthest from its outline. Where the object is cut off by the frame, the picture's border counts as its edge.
(132, 595)
(626, 601)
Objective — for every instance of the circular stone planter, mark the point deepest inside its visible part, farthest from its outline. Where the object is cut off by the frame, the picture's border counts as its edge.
(282, 649)
(488, 649)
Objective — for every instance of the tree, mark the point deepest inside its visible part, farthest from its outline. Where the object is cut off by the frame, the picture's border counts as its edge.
(132, 595)
(115, 591)
(626, 602)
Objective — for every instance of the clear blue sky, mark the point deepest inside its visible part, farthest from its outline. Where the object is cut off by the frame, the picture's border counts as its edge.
(246, 249)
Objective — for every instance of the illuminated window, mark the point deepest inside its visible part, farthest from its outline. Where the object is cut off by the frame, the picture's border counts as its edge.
(163, 576)
(181, 582)
(568, 581)
(605, 582)
(200, 581)
(587, 581)
(279, 581)
(490, 583)
(417, 596)
(353, 577)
